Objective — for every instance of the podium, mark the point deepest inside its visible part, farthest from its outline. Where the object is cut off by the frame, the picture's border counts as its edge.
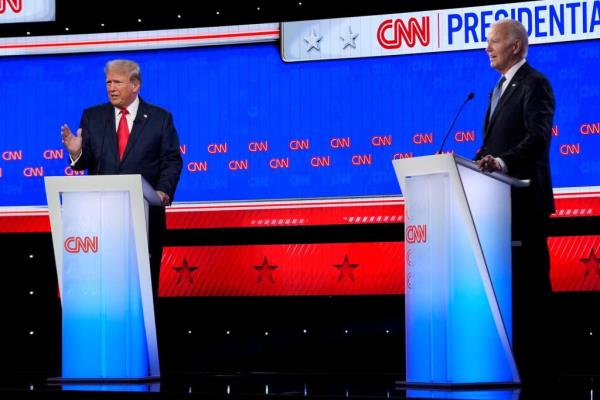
(458, 279)
(99, 236)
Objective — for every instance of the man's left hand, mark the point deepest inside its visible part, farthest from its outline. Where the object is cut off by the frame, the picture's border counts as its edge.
(165, 200)
(489, 164)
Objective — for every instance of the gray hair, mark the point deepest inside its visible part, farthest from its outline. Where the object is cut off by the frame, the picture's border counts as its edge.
(131, 68)
(517, 31)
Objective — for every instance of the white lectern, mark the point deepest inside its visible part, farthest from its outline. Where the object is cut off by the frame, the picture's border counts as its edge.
(99, 235)
(458, 272)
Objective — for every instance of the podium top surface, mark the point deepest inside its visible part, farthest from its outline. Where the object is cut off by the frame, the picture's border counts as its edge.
(95, 183)
(465, 162)
(445, 162)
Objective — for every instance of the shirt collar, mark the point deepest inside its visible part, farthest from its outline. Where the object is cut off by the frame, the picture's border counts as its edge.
(132, 108)
(513, 71)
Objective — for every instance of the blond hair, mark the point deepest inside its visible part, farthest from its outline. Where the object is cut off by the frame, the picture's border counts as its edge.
(131, 68)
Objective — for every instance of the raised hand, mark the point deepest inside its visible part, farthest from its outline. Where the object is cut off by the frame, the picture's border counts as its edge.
(71, 142)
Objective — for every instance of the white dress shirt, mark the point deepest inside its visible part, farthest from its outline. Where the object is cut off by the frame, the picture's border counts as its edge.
(132, 109)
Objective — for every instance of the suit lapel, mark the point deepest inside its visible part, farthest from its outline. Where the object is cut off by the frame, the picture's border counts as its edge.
(110, 134)
(513, 85)
(138, 126)
(486, 122)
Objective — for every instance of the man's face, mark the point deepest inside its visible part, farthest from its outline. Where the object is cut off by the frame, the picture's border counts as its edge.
(121, 91)
(502, 49)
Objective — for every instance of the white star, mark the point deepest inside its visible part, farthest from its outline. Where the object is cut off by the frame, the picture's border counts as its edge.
(313, 41)
(349, 38)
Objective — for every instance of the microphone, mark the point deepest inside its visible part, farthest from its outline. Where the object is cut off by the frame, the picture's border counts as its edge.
(469, 98)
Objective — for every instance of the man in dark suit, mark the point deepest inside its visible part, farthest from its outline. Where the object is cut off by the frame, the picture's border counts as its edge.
(129, 136)
(517, 133)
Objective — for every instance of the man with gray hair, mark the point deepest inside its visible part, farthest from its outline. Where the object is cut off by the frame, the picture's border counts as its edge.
(516, 141)
(129, 136)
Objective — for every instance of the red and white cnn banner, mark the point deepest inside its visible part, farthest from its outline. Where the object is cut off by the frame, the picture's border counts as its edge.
(15, 11)
(546, 21)
(570, 202)
(315, 269)
(306, 212)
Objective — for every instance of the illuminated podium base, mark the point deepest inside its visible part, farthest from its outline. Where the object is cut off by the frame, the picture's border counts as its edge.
(457, 273)
(99, 236)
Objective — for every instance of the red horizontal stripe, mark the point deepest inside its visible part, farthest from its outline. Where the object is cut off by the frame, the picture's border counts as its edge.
(302, 213)
(283, 270)
(142, 40)
(282, 205)
(575, 263)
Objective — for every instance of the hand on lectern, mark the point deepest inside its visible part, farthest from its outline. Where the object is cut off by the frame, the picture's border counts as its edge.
(165, 200)
(71, 142)
(489, 164)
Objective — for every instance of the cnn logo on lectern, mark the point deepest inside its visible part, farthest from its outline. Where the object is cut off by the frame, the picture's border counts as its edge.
(416, 233)
(79, 244)
(15, 5)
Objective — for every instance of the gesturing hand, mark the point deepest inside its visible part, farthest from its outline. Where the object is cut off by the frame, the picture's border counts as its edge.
(71, 142)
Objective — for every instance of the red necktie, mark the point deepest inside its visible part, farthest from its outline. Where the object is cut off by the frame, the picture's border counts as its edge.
(122, 133)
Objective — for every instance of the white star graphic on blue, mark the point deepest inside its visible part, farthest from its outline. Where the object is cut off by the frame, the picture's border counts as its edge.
(313, 41)
(349, 39)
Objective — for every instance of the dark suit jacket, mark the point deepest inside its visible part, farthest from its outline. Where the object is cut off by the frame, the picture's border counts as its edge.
(520, 130)
(152, 149)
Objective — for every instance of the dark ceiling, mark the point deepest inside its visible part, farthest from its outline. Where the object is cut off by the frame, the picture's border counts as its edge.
(89, 16)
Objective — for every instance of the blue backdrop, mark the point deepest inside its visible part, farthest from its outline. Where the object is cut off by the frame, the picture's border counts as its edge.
(245, 93)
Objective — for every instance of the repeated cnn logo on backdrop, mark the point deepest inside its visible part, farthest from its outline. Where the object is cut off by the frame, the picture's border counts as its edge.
(393, 33)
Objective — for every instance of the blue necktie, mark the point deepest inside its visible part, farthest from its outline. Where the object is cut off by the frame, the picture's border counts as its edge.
(496, 94)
